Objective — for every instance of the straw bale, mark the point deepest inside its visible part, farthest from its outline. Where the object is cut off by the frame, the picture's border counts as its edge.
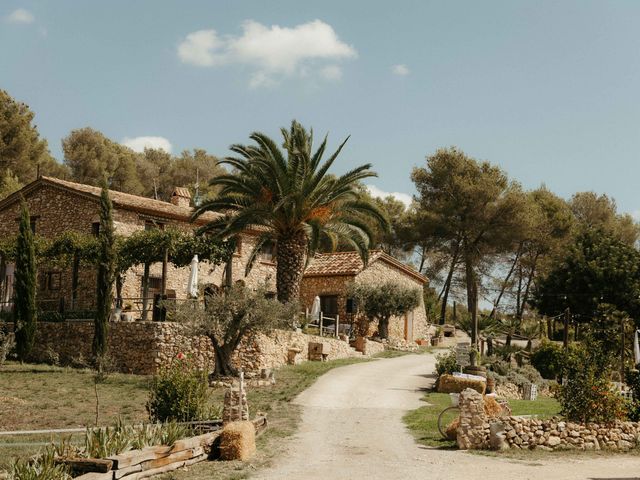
(238, 441)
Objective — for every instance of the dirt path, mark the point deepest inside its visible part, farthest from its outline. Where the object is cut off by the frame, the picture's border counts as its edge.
(352, 428)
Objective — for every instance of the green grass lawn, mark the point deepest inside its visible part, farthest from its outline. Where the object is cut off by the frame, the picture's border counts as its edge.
(423, 422)
(46, 397)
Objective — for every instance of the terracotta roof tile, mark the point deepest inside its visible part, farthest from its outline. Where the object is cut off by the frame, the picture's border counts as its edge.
(132, 202)
(350, 263)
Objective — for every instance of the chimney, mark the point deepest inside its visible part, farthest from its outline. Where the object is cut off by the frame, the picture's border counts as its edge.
(181, 197)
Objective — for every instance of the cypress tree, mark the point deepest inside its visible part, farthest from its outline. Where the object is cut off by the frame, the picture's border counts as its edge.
(106, 274)
(25, 286)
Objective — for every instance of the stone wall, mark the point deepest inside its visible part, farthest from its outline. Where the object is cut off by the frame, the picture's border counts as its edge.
(144, 347)
(478, 431)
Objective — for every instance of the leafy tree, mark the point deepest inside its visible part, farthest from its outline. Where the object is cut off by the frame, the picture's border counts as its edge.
(474, 209)
(25, 287)
(9, 183)
(106, 274)
(233, 315)
(593, 211)
(22, 150)
(91, 157)
(586, 396)
(381, 302)
(547, 227)
(292, 200)
(597, 269)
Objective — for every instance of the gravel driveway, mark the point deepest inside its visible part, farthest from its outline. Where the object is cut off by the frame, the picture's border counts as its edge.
(352, 428)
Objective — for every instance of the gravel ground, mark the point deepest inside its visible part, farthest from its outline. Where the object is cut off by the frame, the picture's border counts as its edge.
(352, 428)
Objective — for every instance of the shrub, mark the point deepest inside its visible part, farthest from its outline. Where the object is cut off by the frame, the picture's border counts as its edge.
(7, 343)
(548, 359)
(447, 363)
(179, 393)
(587, 395)
(633, 380)
(41, 467)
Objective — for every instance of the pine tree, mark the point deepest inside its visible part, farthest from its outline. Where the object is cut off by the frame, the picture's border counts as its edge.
(25, 286)
(106, 275)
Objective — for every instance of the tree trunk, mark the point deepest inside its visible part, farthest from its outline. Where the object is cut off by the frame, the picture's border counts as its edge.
(290, 253)
(472, 299)
(224, 367)
(525, 295)
(145, 292)
(447, 284)
(383, 328)
(74, 280)
(506, 282)
(549, 329)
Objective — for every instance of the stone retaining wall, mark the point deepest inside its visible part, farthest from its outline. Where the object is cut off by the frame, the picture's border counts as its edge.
(478, 431)
(144, 347)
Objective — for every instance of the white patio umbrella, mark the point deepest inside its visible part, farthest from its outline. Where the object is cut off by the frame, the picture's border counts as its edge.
(314, 314)
(192, 286)
(636, 347)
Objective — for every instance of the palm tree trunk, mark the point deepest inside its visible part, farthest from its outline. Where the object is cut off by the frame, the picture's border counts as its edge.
(290, 255)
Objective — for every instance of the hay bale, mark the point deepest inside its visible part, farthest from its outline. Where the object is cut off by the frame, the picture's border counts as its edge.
(238, 441)
(452, 429)
(492, 408)
(451, 384)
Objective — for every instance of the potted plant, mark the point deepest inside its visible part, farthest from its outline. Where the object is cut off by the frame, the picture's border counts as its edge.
(474, 368)
(422, 342)
(127, 313)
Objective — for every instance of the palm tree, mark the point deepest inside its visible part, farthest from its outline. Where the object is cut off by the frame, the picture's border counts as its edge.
(294, 202)
(530, 330)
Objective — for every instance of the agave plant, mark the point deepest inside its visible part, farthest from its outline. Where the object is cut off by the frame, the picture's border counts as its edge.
(289, 197)
(41, 467)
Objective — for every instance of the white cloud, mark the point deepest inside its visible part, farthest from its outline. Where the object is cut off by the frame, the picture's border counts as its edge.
(138, 144)
(20, 16)
(273, 52)
(331, 72)
(378, 193)
(401, 70)
(198, 47)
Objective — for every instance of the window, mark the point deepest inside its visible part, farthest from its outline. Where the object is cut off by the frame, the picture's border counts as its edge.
(155, 283)
(153, 225)
(329, 304)
(268, 252)
(95, 228)
(50, 281)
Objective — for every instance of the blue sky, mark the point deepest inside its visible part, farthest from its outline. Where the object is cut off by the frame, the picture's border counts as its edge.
(549, 90)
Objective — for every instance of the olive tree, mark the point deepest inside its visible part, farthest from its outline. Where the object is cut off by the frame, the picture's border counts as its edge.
(381, 302)
(231, 315)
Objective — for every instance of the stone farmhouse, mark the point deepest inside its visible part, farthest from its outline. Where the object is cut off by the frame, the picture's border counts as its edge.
(329, 276)
(57, 206)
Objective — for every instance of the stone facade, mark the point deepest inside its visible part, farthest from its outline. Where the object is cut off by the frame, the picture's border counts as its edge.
(57, 207)
(478, 431)
(144, 347)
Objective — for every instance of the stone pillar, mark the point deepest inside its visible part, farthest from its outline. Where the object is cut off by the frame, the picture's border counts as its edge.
(236, 407)
(473, 432)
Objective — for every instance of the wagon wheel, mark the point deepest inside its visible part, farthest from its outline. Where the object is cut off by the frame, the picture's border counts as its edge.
(445, 418)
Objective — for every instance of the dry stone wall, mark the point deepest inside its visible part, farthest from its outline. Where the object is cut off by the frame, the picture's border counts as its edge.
(478, 431)
(145, 347)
